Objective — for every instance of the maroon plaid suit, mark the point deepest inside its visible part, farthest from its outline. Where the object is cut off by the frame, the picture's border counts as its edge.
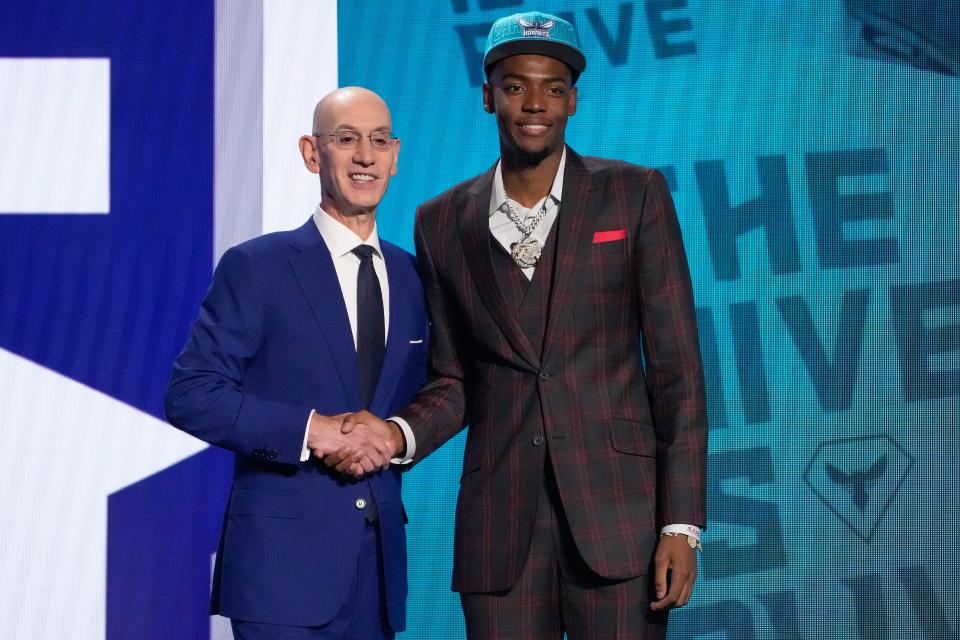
(627, 442)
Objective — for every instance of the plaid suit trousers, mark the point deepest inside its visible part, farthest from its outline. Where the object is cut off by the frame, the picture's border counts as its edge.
(557, 592)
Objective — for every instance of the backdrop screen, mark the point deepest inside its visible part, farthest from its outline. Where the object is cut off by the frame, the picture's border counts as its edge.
(812, 151)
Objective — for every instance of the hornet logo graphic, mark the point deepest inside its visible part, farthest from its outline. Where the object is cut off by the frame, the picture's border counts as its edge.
(858, 479)
(536, 29)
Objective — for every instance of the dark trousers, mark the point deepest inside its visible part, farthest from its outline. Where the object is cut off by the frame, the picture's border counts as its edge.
(557, 592)
(363, 616)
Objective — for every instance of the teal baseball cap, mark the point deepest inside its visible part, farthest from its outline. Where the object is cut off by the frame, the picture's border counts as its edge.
(538, 33)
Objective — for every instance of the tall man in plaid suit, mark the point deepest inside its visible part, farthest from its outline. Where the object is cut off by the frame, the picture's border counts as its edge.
(564, 334)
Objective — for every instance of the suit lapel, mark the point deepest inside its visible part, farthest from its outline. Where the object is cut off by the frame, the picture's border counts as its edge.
(313, 269)
(475, 239)
(571, 220)
(391, 369)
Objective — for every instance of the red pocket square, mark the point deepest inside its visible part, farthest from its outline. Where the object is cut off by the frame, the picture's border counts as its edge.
(609, 236)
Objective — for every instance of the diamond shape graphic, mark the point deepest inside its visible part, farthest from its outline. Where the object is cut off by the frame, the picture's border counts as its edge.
(858, 479)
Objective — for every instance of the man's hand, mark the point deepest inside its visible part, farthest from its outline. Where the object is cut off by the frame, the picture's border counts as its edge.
(675, 555)
(385, 437)
(324, 437)
(355, 454)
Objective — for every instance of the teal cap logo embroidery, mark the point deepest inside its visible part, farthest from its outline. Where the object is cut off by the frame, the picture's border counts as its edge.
(533, 29)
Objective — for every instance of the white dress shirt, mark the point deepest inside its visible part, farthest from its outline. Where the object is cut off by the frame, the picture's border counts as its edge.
(341, 242)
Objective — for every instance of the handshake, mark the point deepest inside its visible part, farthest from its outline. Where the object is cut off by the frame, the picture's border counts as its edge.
(354, 444)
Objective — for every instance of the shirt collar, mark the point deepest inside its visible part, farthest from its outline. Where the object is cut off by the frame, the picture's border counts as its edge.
(339, 239)
(498, 195)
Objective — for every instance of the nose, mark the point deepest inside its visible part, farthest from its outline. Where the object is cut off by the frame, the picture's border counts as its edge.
(533, 102)
(364, 153)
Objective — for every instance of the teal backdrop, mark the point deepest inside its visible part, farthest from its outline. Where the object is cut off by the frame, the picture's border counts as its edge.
(813, 150)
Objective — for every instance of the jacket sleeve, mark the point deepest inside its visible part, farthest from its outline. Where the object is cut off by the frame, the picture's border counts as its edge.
(206, 397)
(675, 383)
(438, 412)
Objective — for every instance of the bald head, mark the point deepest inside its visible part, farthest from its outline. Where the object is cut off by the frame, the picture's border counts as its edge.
(333, 106)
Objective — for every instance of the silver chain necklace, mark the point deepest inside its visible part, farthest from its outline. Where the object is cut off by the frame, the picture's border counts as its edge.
(527, 251)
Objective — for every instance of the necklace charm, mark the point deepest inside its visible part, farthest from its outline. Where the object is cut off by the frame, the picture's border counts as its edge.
(526, 252)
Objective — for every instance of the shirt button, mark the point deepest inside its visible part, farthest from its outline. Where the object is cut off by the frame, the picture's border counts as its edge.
(537, 441)
(361, 503)
(544, 375)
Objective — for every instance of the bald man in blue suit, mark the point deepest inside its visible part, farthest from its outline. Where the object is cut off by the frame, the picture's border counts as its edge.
(298, 329)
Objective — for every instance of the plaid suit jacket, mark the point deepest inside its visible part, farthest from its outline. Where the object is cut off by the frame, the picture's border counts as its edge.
(618, 380)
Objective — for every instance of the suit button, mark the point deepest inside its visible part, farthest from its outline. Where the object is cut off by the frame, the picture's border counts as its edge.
(537, 441)
(360, 503)
(273, 454)
(258, 452)
(544, 375)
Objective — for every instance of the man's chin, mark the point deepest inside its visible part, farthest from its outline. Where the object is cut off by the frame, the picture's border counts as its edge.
(363, 202)
(532, 156)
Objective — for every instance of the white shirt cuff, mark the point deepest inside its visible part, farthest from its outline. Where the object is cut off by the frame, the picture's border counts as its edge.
(686, 529)
(408, 436)
(304, 451)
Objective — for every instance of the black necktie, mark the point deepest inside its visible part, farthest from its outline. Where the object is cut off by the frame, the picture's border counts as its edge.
(370, 332)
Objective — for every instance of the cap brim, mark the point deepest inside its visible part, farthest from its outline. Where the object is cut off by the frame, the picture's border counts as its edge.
(538, 46)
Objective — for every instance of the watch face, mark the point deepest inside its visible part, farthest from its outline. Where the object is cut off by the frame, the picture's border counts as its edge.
(924, 33)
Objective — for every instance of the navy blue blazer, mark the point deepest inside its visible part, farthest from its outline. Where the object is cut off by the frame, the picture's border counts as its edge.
(271, 343)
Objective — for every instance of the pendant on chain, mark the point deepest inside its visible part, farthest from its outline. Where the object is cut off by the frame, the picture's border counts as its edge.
(526, 252)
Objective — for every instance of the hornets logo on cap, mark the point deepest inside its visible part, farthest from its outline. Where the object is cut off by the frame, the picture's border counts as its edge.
(532, 29)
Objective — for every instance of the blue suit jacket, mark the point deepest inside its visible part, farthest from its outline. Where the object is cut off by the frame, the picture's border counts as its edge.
(271, 343)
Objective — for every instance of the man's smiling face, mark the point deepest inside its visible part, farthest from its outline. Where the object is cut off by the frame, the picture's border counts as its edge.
(353, 181)
(532, 97)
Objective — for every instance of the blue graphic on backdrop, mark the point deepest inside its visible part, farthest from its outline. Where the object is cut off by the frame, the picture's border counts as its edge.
(858, 479)
(161, 534)
(107, 300)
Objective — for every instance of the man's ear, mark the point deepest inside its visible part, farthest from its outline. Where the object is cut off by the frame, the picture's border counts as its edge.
(487, 97)
(310, 153)
(572, 101)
